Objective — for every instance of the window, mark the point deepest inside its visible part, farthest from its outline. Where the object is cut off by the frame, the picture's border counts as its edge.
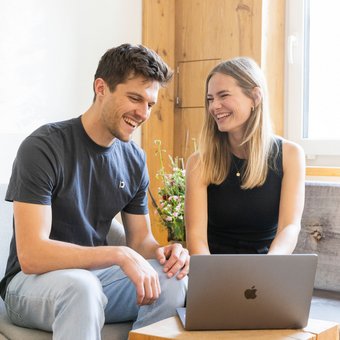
(312, 95)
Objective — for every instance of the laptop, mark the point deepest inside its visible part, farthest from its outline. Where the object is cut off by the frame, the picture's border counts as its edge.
(249, 291)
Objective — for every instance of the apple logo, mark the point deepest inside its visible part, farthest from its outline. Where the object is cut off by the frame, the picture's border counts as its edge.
(250, 293)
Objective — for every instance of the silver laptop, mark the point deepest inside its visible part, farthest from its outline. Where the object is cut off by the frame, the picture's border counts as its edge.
(249, 291)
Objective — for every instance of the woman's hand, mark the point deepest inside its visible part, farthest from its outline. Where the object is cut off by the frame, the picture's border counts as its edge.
(175, 259)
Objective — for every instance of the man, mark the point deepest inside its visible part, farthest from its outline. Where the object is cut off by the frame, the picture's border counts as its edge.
(69, 180)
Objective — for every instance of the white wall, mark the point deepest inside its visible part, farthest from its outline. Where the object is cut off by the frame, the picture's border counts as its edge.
(49, 51)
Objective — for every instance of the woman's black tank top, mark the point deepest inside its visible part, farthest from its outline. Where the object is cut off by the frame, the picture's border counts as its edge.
(245, 221)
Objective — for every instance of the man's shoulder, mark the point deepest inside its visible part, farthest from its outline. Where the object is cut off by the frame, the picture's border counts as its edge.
(52, 129)
(51, 136)
(132, 149)
(48, 140)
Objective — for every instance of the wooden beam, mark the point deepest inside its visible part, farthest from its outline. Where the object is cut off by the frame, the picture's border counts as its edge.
(320, 171)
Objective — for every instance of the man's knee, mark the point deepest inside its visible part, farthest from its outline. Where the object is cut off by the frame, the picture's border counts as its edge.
(56, 296)
(80, 287)
(173, 290)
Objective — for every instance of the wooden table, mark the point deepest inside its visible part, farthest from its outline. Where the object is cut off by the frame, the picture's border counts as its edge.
(171, 328)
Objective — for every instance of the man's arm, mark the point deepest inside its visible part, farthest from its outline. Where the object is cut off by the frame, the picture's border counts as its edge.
(38, 253)
(173, 257)
(139, 235)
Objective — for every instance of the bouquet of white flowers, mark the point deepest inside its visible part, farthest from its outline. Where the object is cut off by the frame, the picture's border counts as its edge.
(171, 193)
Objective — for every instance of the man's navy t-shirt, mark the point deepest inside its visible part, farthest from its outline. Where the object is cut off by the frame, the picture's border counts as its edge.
(85, 184)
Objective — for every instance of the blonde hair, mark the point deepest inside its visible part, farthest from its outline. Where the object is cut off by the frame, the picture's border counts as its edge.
(215, 155)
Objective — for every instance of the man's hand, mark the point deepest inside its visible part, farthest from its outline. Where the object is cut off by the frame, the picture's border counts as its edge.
(142, 274)
(175, 259)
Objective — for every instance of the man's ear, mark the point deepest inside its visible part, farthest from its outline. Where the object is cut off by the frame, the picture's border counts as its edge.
(99, 86)
(257, 95)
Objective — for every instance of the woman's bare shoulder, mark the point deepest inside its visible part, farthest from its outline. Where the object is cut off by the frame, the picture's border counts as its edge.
(292, 153)
(289, 147)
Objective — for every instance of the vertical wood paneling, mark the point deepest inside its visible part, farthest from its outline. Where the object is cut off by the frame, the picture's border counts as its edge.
(191, 82)
(187, 130)
(210, 29)
(159, 34)
(272, 62)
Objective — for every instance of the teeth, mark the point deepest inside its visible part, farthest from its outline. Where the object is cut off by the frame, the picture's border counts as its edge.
(223, 115)
(130, 122)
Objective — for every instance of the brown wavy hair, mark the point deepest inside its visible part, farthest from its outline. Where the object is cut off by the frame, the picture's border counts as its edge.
(120, 63)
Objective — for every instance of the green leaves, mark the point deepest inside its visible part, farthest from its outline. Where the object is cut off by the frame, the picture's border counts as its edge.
(171, 194)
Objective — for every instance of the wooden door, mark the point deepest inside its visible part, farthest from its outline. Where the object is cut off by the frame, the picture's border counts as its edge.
(189, 111)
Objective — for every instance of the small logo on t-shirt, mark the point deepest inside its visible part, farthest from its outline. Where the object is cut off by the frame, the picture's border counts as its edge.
(121, 184)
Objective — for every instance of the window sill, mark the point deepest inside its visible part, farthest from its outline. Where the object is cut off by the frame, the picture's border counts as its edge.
(330, 174)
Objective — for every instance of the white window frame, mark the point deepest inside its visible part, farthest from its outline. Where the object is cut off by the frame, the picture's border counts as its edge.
(318, 151)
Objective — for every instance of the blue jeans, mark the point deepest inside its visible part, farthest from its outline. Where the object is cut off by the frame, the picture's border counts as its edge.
(75, 303)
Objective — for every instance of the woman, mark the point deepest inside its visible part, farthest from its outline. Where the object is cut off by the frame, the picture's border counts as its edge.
(244, 186)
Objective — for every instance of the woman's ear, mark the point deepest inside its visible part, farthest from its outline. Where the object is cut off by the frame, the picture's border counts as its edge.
(257, 95)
